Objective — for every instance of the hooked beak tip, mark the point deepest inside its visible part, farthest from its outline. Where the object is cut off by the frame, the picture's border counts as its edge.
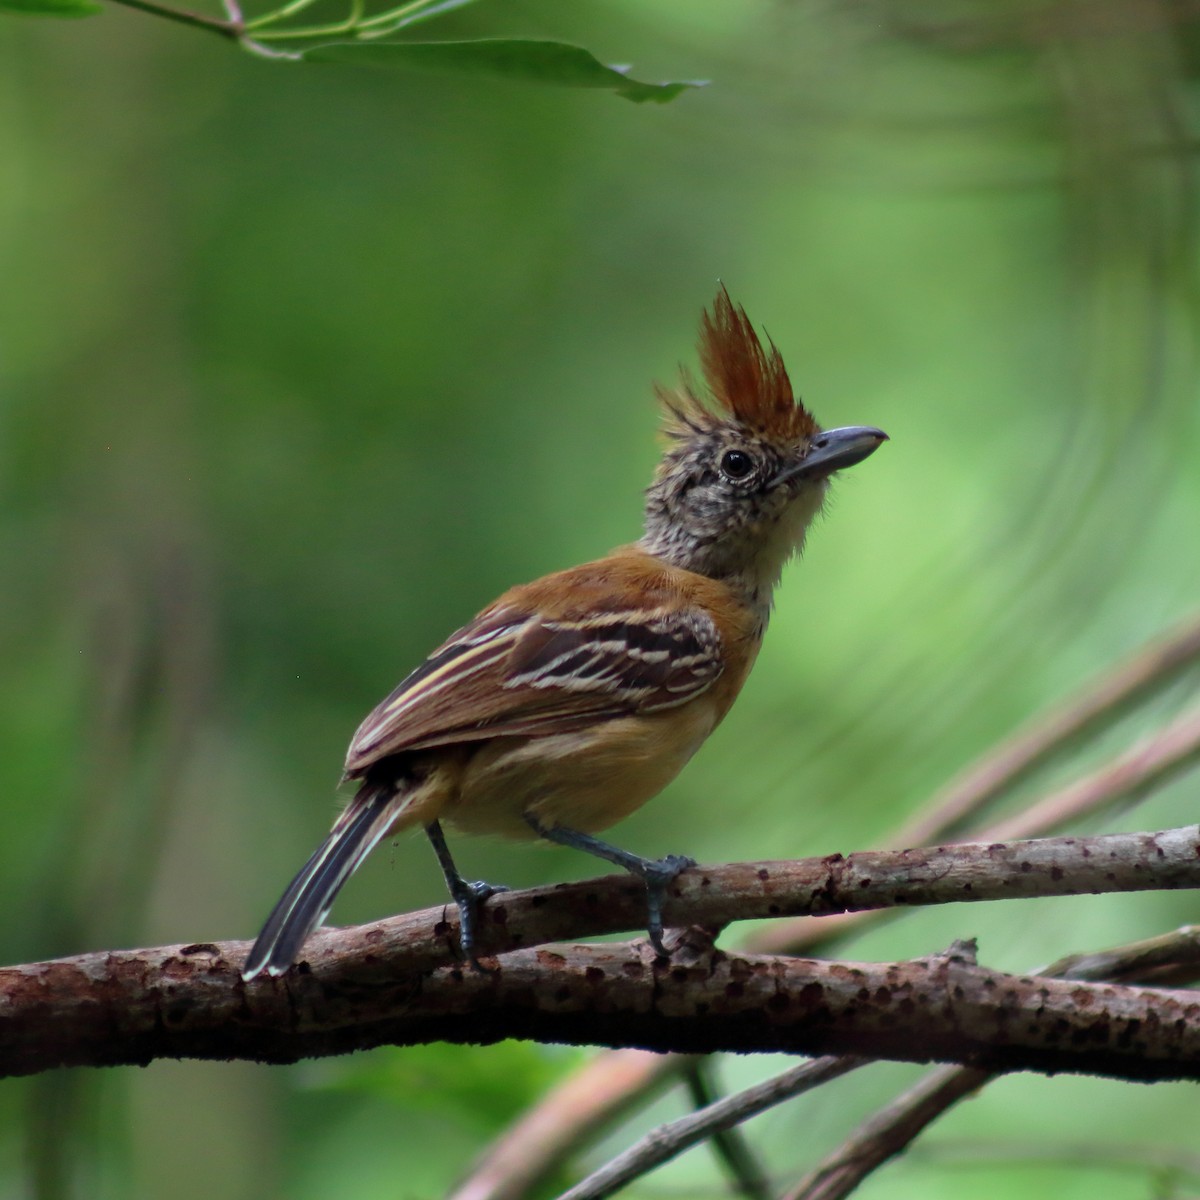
(834, 450)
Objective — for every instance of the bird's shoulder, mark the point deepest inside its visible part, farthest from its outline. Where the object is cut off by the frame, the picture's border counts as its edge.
(627, 580)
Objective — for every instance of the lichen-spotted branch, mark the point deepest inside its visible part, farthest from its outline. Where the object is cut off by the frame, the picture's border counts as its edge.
(398, 982)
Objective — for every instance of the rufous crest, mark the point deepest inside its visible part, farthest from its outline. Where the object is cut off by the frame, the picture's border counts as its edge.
(744, 381)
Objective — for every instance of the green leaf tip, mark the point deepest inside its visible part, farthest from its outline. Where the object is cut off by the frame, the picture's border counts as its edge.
(557, 63)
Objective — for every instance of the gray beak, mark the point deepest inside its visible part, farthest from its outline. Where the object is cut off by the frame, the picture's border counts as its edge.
(833, 450)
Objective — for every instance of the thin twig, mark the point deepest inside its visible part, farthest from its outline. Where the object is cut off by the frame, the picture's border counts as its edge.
(1171, 959)
(888, 1132)
(670, 1140)
(1150, 764)
(1094, 708)
(728, 1143)
(226, 29)
(567, 1117)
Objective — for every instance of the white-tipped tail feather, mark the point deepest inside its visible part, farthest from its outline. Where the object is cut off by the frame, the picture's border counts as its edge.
(310, 895)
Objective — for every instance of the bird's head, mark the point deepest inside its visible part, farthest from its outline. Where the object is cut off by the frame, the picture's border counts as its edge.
(746, 466)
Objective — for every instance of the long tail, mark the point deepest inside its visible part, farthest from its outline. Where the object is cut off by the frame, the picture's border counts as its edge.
(309, 897)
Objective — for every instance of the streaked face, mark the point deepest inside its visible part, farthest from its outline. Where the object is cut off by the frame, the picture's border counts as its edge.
(719, 489)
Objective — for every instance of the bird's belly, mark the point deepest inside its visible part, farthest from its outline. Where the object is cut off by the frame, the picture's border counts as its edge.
(586, 780)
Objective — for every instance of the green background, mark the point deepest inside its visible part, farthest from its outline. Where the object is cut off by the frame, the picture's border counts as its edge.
(301, 365)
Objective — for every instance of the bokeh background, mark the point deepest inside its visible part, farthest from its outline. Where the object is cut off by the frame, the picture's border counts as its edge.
(300, 365)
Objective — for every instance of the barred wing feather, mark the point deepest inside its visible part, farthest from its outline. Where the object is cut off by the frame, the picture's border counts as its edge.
(513, 673)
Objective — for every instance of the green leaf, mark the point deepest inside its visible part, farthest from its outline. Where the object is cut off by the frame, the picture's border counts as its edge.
(555, 63)
(51, 8)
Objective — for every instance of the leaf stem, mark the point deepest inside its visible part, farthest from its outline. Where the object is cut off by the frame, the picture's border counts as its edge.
(393, 18)
(349, 25)
(280, 14)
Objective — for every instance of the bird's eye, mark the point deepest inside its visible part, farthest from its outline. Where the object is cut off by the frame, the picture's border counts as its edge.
(736, 464)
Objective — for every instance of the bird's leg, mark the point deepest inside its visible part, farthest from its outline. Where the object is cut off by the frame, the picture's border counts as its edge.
(468, 896)
(656, 873)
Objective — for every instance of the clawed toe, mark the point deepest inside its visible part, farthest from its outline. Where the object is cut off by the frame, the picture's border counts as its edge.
(659, 874)
(481, 890)
(656, 873)
(671, 865)
(470, 896)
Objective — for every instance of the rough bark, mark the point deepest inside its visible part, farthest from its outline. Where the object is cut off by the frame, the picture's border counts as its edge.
(389, 982)
(189, 1003)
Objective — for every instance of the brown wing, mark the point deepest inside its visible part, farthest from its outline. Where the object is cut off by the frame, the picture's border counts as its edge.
(514, 672)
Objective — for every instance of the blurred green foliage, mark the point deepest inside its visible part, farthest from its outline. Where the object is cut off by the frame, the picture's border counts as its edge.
(299, 367)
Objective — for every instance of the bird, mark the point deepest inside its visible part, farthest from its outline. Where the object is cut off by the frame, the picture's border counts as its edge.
(570, 701)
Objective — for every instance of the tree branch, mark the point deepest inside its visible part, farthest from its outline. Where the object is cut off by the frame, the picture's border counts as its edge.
(191, 1004)
(610, 1084)
(889, 1131)
(1150, 763)
(747, 1175)
(1088, 712)
(567, 1118)
(672, 1139)
(388, 982)
(894, 1127)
